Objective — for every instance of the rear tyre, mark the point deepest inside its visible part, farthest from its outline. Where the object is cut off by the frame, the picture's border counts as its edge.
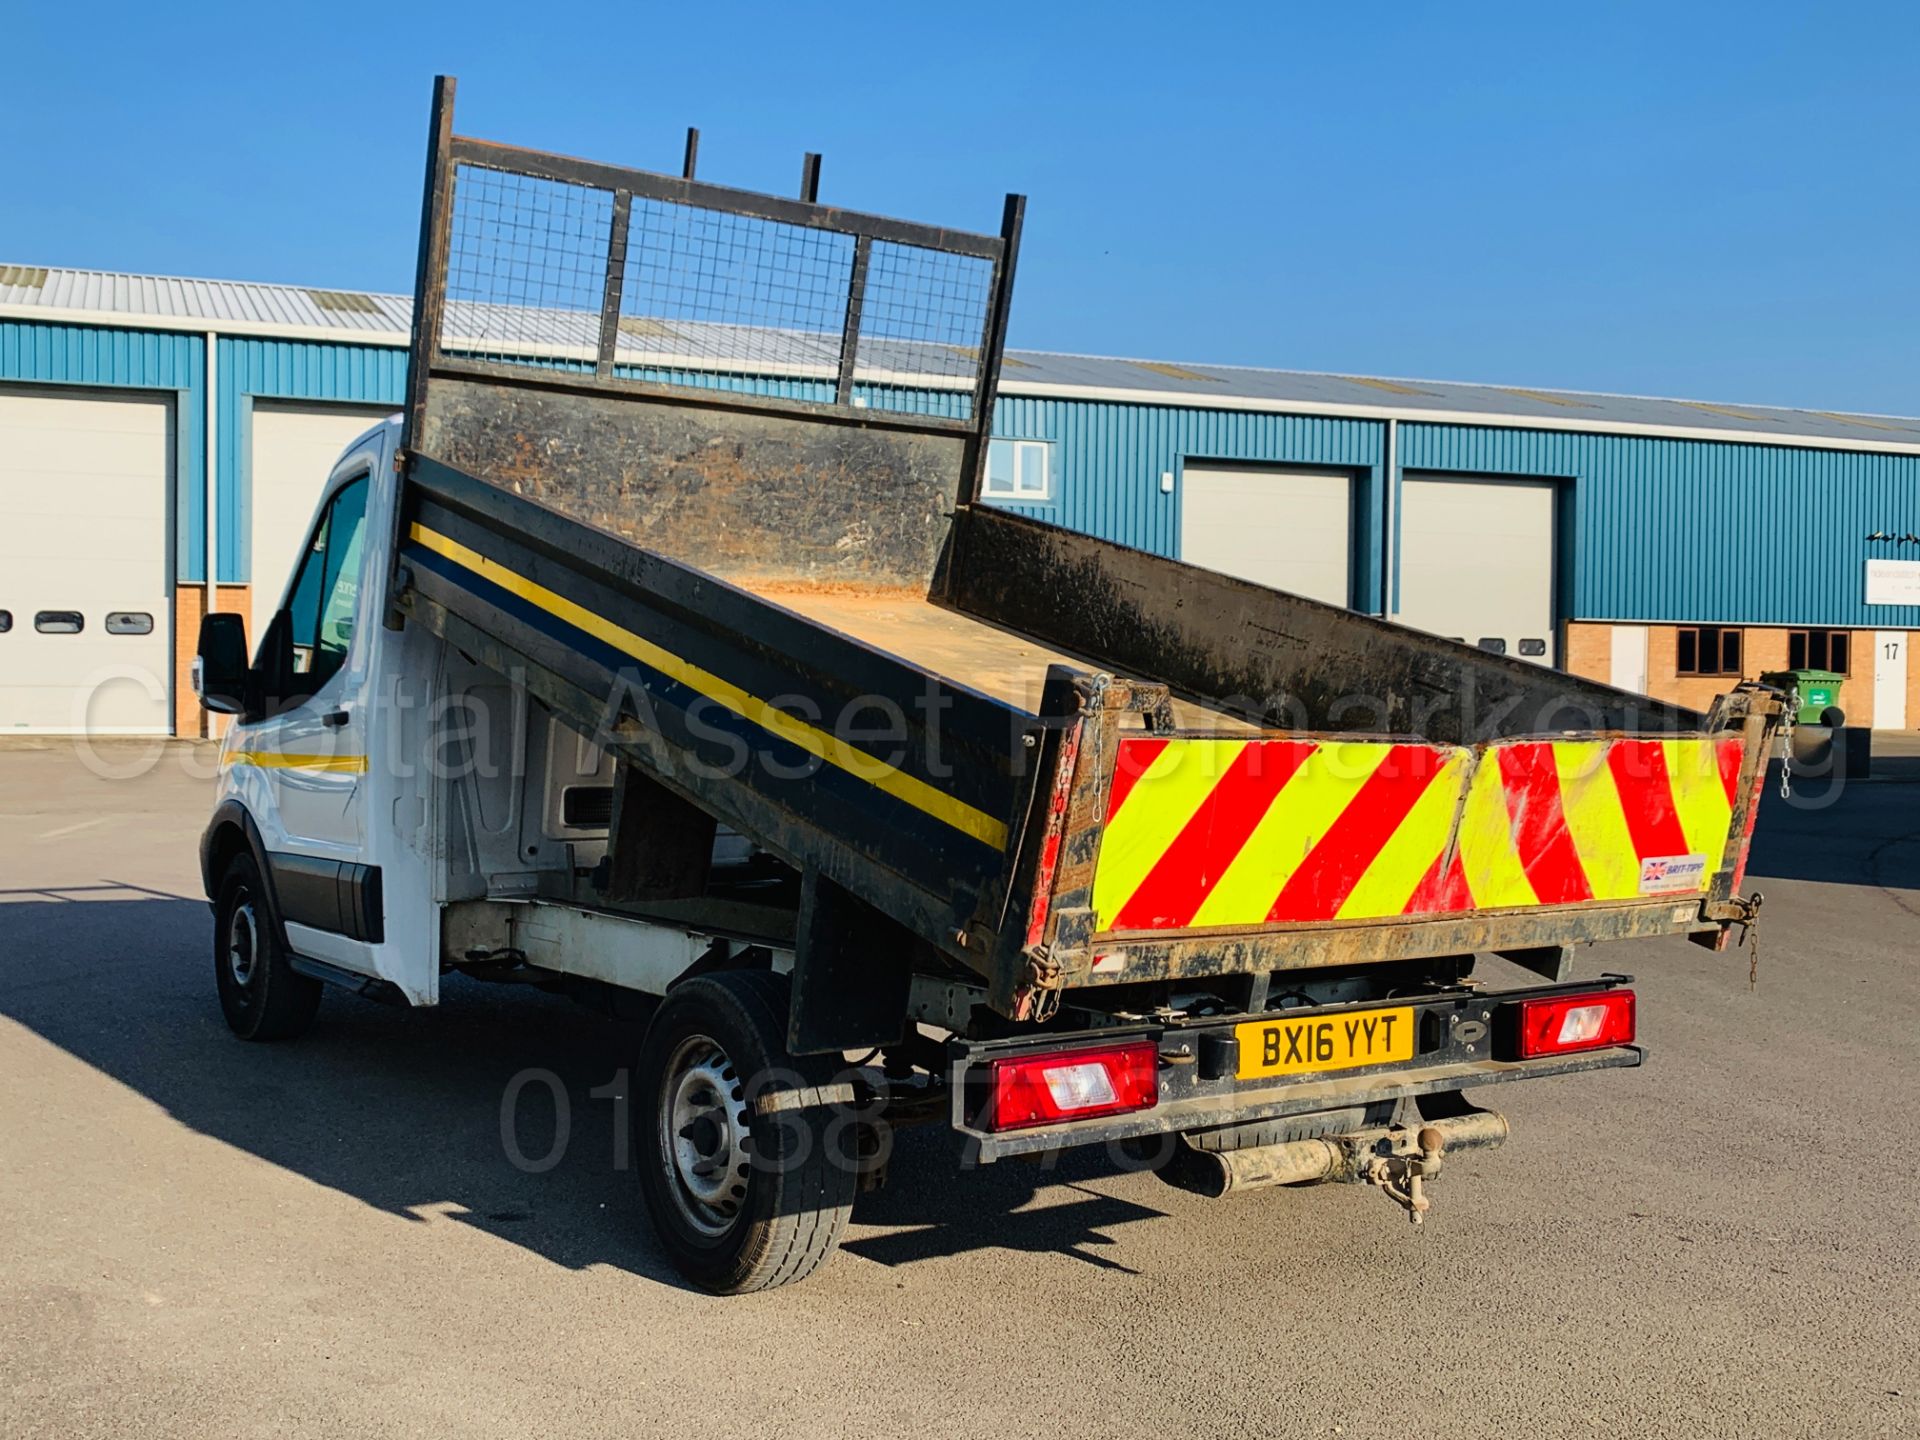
(262, 996)
(747, 1156)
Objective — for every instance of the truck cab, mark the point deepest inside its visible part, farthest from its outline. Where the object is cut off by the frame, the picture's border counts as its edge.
(329, 691)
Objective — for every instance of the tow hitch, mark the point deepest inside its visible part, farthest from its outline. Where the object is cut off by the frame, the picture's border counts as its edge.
(1398, 1159)
(1402, 1177)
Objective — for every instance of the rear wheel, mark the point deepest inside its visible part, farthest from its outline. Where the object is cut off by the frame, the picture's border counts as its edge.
(262, 996)
(747, 1155)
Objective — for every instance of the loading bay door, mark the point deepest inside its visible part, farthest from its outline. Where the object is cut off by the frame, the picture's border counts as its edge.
(1477, 562)
(1287, 529)
(86, 614)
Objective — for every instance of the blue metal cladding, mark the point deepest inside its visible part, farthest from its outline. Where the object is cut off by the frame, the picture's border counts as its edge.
(1108, 460)
(1656, 529)
(249, 369)
(141, 360)
(1705, 530)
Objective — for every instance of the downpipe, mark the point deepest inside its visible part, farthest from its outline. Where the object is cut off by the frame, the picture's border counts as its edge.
(1397, 1159)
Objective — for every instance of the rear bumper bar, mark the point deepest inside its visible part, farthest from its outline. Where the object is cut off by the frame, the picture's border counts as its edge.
(1458, 1048)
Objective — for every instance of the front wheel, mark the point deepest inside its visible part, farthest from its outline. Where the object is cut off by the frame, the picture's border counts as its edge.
(262, 996)
(747, 1155)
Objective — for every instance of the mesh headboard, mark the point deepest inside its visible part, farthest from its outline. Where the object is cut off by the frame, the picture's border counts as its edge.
(680, 361)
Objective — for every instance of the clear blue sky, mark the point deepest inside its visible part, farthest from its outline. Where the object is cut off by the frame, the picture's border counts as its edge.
(1713, 200)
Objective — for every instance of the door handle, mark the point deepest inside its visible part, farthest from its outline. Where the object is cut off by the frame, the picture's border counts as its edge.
(334, 718)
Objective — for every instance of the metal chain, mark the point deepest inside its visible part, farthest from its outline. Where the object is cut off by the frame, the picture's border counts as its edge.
(1750, 935)
(1786, 744)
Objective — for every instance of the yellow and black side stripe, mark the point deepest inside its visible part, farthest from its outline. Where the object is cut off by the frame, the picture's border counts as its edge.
(289, 760)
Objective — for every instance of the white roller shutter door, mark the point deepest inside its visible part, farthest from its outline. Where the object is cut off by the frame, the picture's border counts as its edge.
(1477, 562)
(87, 478)
(1288, 529)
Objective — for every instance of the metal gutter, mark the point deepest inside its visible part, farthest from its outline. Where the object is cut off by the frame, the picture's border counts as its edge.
(1487, 420)
(1390, 520)
(210, 470)
(198, 325)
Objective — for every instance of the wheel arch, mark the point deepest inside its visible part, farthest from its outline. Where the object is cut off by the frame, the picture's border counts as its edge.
(229, 833)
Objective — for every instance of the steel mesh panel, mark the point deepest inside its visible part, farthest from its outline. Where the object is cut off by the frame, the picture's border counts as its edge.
(921, 324)
(526, 268)
(709, 297)
(713, 297)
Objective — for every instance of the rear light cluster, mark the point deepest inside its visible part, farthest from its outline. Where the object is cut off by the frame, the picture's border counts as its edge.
(1568, 1023)
(1073, 1085)
(1082, 1084)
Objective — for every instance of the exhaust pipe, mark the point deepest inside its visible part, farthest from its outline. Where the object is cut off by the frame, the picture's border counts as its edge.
(1366, 1155)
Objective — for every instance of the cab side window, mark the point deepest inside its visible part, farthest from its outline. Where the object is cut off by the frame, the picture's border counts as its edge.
(340, 583)
(326, 588)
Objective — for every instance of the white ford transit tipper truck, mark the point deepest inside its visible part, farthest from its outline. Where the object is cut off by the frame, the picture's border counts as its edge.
(661, 652)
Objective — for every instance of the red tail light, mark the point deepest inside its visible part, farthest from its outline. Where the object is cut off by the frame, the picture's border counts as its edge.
(1566, 1023)
(1073, 1085)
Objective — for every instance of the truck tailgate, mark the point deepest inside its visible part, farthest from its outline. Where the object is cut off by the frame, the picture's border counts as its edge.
(1193, 853)
(1224, 833)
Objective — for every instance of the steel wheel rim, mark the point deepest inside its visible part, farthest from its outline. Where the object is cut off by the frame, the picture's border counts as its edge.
(704, 1135)
(243, 942)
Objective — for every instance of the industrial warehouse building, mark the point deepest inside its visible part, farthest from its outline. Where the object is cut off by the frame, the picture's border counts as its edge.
(151, 425)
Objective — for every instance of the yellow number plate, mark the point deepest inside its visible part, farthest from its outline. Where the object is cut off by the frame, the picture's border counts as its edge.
(1327, 1042)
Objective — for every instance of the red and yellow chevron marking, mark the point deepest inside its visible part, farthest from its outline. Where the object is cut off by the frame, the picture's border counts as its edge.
(1206, 832)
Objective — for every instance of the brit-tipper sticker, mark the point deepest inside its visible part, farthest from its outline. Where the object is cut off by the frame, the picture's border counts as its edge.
(1664, 874)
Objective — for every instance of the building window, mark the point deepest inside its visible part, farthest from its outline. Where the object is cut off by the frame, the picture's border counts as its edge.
(1708, 650)
(1019, 470)
(1817, 650)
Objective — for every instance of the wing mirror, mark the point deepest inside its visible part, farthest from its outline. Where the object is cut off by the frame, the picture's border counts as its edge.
(221, 677)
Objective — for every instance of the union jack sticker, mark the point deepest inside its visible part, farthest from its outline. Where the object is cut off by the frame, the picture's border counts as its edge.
(1666, 873)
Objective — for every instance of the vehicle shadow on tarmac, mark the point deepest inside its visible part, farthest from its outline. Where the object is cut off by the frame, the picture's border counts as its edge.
(1836, 832)
(422, 1113)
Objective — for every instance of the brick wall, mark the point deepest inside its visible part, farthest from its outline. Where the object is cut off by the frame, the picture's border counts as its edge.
(1913, 685)
(1763, 648)
(1590, 650)
(189, 604)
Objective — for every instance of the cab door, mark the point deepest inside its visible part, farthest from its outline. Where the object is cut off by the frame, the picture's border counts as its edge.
(306, 763)
(313, 751)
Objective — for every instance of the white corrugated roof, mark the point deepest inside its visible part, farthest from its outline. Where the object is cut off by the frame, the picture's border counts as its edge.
(246, 307)
(215, 303)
